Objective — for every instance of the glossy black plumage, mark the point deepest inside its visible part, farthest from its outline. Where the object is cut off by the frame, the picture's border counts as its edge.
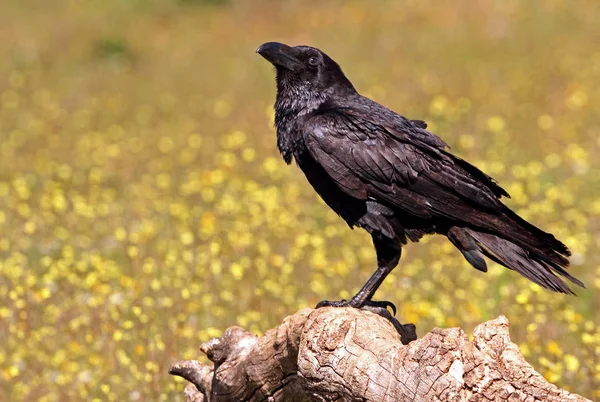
(392, 177)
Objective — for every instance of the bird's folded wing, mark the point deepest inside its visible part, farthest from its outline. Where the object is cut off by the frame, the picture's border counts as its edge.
(405, 169)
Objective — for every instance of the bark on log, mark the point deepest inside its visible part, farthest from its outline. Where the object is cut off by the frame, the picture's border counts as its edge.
(345, 354)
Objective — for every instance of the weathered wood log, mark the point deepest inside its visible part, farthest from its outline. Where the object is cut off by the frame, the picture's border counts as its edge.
(345, 354)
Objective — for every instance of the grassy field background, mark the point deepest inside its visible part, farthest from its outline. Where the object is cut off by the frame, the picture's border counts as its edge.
(144, 207)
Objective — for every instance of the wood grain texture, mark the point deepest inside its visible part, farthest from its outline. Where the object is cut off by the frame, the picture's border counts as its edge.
(346, 354)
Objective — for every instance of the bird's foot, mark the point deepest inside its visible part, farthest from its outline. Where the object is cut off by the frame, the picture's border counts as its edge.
(407, 332)
(369, 305)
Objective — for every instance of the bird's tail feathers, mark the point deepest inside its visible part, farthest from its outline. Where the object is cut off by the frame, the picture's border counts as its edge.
(536, 239)
(542, 265)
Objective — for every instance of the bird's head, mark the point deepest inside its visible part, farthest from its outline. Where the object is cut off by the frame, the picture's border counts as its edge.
(305, 75)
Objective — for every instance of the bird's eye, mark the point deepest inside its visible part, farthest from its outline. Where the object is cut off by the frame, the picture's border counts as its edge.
(313, 62)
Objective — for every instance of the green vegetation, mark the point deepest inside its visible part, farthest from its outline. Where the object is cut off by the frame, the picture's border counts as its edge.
(144, 207)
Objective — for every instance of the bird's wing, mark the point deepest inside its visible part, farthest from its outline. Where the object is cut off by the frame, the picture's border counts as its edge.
(404, 166)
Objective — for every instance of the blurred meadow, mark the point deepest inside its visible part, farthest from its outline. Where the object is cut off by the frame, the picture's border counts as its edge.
(144, 207)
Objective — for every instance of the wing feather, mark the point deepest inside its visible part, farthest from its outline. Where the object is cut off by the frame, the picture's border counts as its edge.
(407, 167)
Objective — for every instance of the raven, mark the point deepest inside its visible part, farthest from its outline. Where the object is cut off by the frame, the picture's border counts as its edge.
(390, 176)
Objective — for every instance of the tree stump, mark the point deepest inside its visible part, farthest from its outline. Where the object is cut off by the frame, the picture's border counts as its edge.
(345, 354)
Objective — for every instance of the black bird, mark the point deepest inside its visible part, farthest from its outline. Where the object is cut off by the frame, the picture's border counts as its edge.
(390, 176)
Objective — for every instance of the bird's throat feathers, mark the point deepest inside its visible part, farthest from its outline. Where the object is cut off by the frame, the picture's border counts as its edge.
(295, 99)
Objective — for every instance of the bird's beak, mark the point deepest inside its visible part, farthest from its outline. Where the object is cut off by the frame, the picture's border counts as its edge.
(279, 55)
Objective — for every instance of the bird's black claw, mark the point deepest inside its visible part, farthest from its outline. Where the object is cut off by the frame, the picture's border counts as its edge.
(382, 304)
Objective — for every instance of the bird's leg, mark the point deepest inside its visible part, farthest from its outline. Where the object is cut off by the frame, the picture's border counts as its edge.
(366, 293)
(388, 255)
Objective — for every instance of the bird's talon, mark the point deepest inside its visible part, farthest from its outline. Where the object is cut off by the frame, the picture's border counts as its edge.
(389, 304)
